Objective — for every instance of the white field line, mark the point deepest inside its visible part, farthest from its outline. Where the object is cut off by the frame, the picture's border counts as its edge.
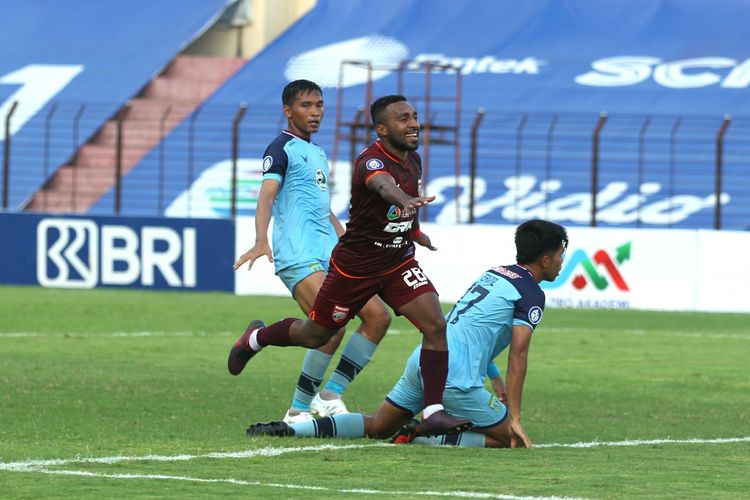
(271, 451)
(268, 451)
(41, 466)
(392, 331)
(361, 491)
(644, 442)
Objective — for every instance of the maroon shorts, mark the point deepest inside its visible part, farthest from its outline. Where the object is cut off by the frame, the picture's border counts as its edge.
(341, 297)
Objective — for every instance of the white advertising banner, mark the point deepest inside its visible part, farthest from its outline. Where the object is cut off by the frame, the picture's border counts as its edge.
(723, 282)
(627, 269)
(671, 269)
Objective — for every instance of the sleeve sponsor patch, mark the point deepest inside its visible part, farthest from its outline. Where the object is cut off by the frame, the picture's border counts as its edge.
(374, 164)
(267, 162)
(535, 315)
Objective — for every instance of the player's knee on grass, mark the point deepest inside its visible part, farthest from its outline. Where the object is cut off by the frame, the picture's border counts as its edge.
(497, 436)
(386, 421)
(490, 442)
(380, 428)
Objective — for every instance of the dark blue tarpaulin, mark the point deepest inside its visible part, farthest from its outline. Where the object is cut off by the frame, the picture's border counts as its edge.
(96, 52)
(660, 56)
(562, 63)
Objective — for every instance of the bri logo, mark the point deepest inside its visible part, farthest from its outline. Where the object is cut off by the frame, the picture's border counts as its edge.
(590, 273)
(79, 253)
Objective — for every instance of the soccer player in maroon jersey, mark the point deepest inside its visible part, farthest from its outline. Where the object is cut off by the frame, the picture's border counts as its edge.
(376, 257)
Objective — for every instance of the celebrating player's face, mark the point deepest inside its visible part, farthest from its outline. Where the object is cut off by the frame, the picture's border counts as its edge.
(402, 126)
(305, 114)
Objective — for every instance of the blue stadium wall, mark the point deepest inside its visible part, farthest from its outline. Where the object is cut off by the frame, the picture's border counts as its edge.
(666, 73)
(57, 56)
(648, 64)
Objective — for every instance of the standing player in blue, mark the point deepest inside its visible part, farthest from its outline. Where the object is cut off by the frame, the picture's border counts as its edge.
(376, 257)
(295, 189)
(500, 309)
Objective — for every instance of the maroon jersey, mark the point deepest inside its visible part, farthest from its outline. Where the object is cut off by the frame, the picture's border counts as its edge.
(378, 235)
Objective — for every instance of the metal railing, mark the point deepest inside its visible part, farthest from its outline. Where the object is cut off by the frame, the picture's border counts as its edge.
(687, 156)
(647, 167)
(67, 164)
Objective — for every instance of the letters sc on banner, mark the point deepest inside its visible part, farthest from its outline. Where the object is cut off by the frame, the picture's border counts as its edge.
(79, 253)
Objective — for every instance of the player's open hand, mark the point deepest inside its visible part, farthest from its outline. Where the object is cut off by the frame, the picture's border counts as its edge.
(417, 202)
(254, 253)
(423, 240)
(518, 436)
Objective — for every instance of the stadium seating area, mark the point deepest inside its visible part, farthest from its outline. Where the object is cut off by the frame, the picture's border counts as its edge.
(71, 67)
(142, 124)
(642, 119)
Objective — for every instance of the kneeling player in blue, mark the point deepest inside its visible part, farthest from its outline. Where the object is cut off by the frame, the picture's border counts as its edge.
(500, 309)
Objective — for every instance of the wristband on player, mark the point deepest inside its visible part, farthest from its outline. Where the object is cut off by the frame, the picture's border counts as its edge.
(416, 233)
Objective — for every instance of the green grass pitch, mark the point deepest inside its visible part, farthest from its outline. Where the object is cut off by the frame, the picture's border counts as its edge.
(125, 394)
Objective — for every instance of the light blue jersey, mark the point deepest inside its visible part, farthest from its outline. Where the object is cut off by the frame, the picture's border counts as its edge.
(302, 231)
(481, 323)
(480, 327)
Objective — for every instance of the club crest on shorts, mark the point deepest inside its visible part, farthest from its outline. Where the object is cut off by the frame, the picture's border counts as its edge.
(374, 164)
(339, 313)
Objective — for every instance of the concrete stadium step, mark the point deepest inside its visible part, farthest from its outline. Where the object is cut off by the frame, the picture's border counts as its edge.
(203, 68)
(74, 188)
(95, 152)
(153, 110)
(168, 99)
(134, 134)
(175, 89)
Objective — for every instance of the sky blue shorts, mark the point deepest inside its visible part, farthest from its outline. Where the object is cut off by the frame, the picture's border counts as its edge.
(476, 404)
(294, 274)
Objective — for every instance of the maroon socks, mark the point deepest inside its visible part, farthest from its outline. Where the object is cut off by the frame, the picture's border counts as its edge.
(276, 334)
(434, 368)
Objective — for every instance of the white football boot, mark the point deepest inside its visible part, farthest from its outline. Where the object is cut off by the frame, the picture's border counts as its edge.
(328, 407)
(297, 416)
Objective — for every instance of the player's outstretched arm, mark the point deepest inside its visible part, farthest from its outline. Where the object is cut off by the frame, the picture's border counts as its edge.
(515, 377)
(385, 186)
(268, 191)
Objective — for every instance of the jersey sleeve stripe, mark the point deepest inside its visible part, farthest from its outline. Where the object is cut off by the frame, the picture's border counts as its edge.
(517, 322)
(273, 177)
(373, 174)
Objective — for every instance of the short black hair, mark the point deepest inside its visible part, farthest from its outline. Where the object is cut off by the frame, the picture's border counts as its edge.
(297, 87)
(378, 107)
(537, 237)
